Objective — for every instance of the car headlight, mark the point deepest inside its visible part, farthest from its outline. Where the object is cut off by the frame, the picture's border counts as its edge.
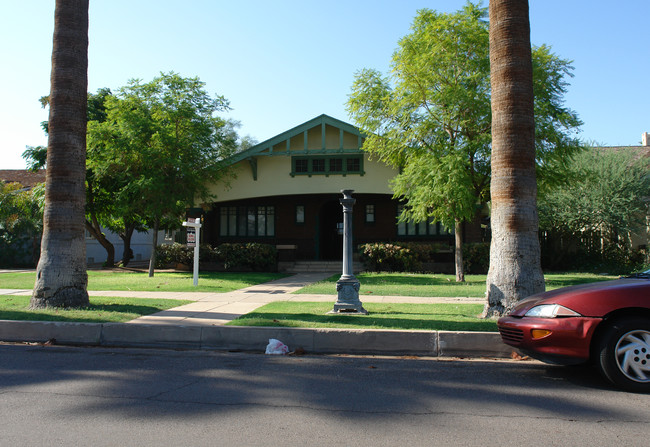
(551, 311)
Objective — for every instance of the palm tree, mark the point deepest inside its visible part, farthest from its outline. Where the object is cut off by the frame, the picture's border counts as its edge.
(61, 278)
(515, 269)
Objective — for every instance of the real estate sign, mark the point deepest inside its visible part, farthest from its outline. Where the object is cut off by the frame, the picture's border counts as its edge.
(193, 229)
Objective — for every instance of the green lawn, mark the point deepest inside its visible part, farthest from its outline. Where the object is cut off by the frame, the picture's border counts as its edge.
(163, 282)
(101, 309)
(442, 317)
(417, 284)
(453, 317)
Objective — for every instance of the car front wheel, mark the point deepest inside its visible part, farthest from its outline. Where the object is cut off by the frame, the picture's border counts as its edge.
(624, 354)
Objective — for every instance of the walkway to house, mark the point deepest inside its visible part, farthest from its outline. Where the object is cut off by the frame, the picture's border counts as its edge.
(212, 309)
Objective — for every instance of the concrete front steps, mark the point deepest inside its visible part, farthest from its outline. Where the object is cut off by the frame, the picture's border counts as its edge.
(316, 266)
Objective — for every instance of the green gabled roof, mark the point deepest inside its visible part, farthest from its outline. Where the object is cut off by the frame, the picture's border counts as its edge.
(266, 148)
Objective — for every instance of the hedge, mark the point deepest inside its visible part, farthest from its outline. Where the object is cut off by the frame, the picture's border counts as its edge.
(380, 257)
(251, 256)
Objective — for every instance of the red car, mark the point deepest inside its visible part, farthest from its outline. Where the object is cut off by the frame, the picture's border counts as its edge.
(607, 323)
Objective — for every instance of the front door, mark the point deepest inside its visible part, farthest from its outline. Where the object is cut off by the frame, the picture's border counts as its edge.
(331, 231)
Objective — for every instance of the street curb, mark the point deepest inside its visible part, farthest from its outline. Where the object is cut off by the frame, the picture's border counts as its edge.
(245, 338)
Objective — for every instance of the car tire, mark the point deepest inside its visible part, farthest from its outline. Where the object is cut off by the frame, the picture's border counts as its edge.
(624, 354)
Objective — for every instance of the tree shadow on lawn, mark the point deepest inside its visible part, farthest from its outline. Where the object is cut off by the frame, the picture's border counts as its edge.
(95, 313)
(364, 321)
(374, 279)
(416, 280)
(559, 281)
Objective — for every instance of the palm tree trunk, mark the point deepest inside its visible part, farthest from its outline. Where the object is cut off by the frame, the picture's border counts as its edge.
(515, 269)
(61, 278)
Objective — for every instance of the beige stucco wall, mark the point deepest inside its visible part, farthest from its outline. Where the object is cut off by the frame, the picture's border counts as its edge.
(315, 141)
(274, 179)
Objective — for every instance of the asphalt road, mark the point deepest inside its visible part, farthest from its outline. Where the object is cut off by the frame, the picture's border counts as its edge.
(52, 396)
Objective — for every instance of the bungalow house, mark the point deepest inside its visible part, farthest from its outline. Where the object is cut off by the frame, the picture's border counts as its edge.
(287, 189)
(286, 192)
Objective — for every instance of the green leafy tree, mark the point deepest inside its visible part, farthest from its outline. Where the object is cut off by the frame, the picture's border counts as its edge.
(246, 142)
(164, 143)
(605, 193)
(99, 201)
(556, 126)
(431, 117)
(113, 200)
(35, 157)
(21, 224)
(99, 192)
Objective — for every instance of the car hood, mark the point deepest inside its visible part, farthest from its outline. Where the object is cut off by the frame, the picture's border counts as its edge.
(593, 299)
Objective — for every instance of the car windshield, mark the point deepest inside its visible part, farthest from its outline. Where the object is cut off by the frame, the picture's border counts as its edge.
(645, 274)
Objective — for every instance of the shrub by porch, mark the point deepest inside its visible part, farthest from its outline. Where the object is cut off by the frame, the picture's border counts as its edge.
(225, 257)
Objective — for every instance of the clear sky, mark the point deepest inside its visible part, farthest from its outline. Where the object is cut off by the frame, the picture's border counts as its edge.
(282, 63)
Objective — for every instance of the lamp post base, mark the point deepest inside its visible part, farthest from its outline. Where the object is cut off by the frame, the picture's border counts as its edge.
(348, 298)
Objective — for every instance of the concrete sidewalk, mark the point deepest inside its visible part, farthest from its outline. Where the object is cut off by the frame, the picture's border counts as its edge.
(210, 309)
(200, 325)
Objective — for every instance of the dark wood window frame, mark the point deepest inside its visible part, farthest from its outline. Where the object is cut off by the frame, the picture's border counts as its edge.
(327, 165)
(415, 229)
(256, 221)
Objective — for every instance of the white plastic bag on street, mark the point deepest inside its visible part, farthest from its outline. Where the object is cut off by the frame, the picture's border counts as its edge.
(276, 347)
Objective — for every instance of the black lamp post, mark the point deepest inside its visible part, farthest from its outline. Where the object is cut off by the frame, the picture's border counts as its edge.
(348, 285)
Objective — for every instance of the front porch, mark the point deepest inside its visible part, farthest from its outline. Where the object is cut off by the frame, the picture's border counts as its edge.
(333, 267)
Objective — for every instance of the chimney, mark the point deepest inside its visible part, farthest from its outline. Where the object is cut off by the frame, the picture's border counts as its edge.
(645, 139)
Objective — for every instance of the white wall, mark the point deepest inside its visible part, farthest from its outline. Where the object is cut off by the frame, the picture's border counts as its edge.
(140, 244)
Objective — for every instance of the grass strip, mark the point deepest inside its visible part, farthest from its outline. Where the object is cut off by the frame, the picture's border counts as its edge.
(438, 285)
(440, 317)
(101, 309)
(219, 282)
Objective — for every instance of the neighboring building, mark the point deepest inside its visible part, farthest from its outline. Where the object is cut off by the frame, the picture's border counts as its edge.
(287, 190)
(27, 179)
(140, 245)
